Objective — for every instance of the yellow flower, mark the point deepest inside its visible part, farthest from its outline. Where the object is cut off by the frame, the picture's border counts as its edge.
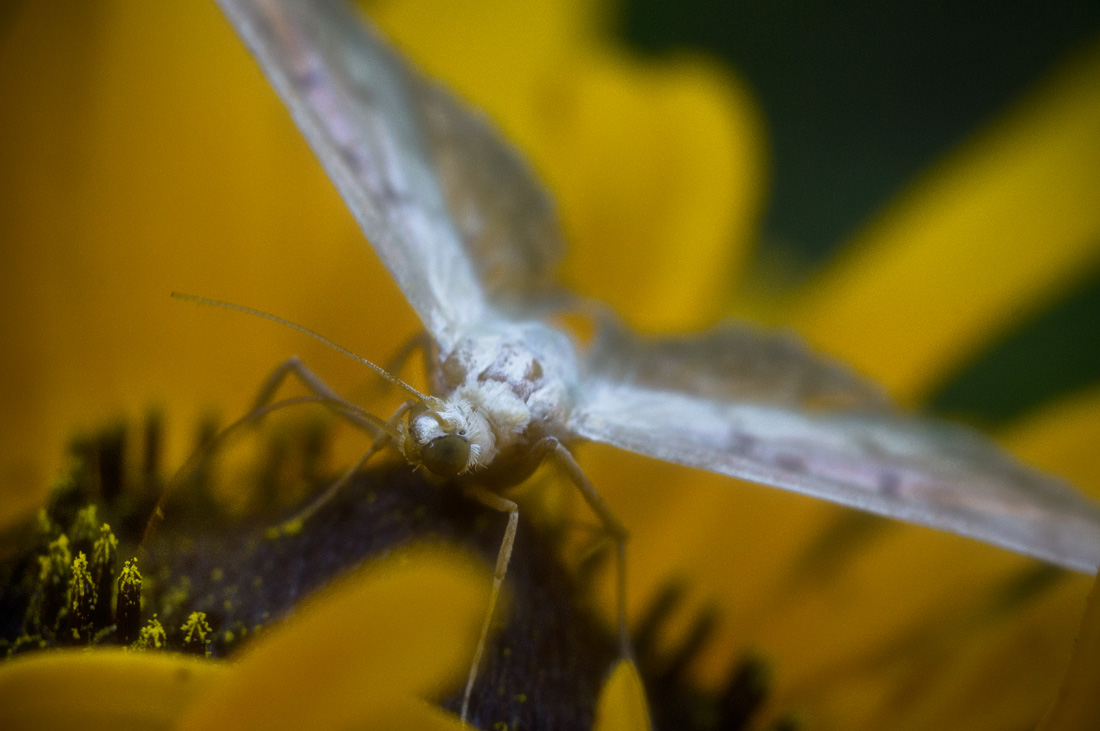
(145, 154)
(363, 665)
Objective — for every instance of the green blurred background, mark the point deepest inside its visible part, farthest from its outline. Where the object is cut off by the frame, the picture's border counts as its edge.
(860, 97)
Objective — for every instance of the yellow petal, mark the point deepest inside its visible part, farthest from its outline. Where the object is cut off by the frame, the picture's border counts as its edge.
(396, 629)
(108, 689)
(657, 168)
(1078, 704)
(144, 153)
(998, 228)
(622, 705)
(1003, 673)
(874, 595)
(985, 667)
(1062, 438)
(493, 53)
(406, 714)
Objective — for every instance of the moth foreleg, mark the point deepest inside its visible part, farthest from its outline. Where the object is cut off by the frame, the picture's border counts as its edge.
(294, 524)
(504, 555)
(263, 405)
(294, 366)
(421, 342)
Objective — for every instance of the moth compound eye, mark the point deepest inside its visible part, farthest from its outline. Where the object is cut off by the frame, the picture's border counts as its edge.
(445, 456)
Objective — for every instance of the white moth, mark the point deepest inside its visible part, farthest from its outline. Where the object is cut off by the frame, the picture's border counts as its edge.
(472, 241)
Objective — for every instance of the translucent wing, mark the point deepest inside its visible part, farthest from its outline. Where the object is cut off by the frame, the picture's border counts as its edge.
(411, 163)
(756, 406)
(733, 362)
(509, 225)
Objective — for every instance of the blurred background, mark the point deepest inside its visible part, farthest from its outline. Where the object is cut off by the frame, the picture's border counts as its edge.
(859, 98)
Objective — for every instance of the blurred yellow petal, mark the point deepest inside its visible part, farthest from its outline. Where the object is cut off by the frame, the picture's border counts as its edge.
(1062, 438)
(657, 167)
(491, 52)
(1078, 704)
(104, 689)
(144, 153)
(622, 705)
(408, 714)
(984, 670)
(399, 628)
(997, 674)
(1001, 226)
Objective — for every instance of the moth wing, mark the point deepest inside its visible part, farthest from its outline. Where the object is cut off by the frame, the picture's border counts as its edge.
(775, 414)
(450, 209)
(466, 233)
(508, 222)
(733, 361)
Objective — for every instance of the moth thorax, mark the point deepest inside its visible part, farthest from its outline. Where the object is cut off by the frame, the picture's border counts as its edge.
(494, 404)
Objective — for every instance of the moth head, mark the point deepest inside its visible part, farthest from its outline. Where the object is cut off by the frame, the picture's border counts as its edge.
(436, 437)
(446, 455)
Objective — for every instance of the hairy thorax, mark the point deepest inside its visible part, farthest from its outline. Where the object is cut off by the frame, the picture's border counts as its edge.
(514, 387)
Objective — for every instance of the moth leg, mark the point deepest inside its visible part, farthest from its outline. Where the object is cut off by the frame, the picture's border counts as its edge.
(293, 524)
(421, 342)
(504, 555)
(611, 523)
(262, 406)
(294, 366)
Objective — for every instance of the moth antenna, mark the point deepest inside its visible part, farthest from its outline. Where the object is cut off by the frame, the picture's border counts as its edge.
(316, 336)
